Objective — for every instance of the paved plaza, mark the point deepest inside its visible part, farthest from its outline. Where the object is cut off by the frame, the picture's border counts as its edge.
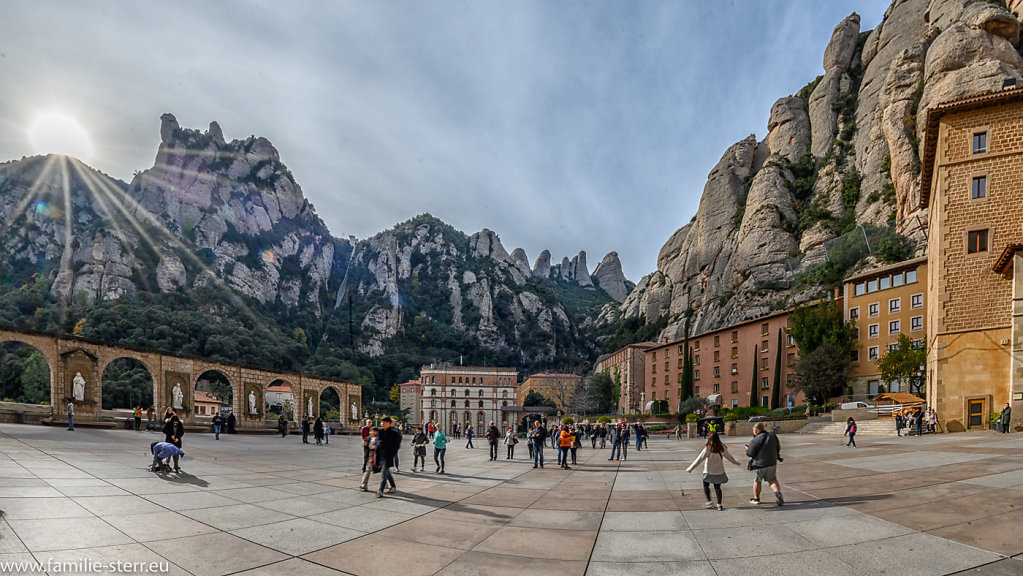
(263, 505)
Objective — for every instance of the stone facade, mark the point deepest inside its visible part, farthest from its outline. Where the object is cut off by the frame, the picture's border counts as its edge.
(884, 303)
(557, 387)
(627, 368)
(723, 363)
(974, 190)
(67, 356)
(470, 396)
(411, 395)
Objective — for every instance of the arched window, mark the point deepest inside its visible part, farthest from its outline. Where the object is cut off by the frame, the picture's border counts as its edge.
(504, 393)
(467, 393)
(473, 379)
(433, 416)
(452, 403)
(459, 379)
(453, 391)
(433, 392)
(481, 403)
(433, 403)
(454, 417)
(466, 403)
(481, 393)
(481, 422)
(504, 402)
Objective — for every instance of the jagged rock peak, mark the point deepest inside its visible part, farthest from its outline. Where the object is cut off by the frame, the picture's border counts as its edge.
(216, 133)
(520, 261)
(542, 265)
(486, 243)
(609, 276)
(580, 273)
(842, 47)
(168, 127)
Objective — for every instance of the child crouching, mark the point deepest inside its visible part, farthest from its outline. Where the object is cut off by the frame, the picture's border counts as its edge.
(162, 453)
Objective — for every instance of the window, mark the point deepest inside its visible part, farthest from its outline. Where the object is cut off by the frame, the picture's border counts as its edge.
(886, 282)
(453, 403)
(898, 280)
(916, 323)
(790, 359)
(735, 369)
(433, 392)
(735, 387)
(452, 379)
(466, 393)
(681, 362)
(681, 351)
(666, 394)
(717, 341)
(433, 403)
(735, 335)
(678, 378)
(764, 401)
(717, 355)
(893, 346)
(895, 305)
(504, 393)
(696, 374)
(717, 371)
(696, 359)
(792, 341)
(872, 331)
(735, 403)
(765, 383)
(466, 403)
(717, 388)
(854, 356)
(894, 327)
(696, 345)
(481, 394)
(980, 143)
(978, 189)
(763, 363)
(653, 395)
(653, 368)
(460, 380)
(854, 313)
(976, 241)
(918, 344)
(916, 301)
(696, 390)
(860, 289)
(667, 352)
(735, 352)
(872, 286)
(911, 277)
(872, 387)
(763, 329)
(481, 404)
(856, 332)
(763, 345)
(872, 353)
(873, 309)
(665, 365)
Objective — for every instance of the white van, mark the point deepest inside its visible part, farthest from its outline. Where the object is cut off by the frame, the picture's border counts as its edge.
(854, 405)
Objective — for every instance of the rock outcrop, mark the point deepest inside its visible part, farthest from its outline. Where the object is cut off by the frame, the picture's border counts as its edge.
(609, 277)
(542, 265)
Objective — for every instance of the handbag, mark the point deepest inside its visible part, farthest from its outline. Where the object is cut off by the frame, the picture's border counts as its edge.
(750, 465)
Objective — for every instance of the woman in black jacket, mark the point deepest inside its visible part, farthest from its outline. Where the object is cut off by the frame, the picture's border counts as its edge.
(173, 430)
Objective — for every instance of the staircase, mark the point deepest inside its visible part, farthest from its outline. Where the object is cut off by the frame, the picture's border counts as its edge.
(863, 428)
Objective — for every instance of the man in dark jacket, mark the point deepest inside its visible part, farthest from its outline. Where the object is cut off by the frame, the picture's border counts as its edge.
(537, 437)
(218, 423)
(493, 435)
(387, 449)
(765, 450)
(1005, 417)
(173, 430)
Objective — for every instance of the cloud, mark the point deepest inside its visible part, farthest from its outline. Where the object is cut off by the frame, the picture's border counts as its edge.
(561, 125)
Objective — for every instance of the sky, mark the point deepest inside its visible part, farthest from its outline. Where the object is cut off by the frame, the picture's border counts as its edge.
(563, 125)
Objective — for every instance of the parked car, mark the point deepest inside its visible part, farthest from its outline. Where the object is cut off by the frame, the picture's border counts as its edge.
(854, 405)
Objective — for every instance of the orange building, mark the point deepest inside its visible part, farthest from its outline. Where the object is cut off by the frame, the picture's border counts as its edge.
(560, 388)
(972, 187)
(884, 303)
(627, 369)
(726, 361)
(470, 396)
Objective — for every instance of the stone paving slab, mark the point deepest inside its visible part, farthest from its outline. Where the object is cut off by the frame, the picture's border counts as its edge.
(266, 505)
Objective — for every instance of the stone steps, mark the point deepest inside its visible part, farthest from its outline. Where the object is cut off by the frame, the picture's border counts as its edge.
(863, 428)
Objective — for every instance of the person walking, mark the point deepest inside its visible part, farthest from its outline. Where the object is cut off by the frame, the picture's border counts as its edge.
(537, 438)
(616, 442)
(510, 440)
(919, 418)
(137, 414)
(305, 430)
(173, 430)
(625, 441)
(765, 452)
(932, 420)
(603, 436)
(468, 437)
(318, 431)
(593, 437)
(71, 416)
(440, 446)
(367, 426)
(576, 441)
(387, 448)
(493, 435)
(564, 444)
(326, 433)
(218, 423)
(713, 457)
(900, 423)
(282, 425)
(371, 443)
(1004, 418)
(419, 441)
(850, 431)
(150, 418)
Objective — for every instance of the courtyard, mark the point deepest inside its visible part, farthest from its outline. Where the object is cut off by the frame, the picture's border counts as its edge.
(258, 505)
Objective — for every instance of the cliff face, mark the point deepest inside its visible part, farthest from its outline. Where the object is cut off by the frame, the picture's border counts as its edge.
(844, 151)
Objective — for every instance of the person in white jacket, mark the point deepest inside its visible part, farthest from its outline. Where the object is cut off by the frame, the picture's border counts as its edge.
(713, 458)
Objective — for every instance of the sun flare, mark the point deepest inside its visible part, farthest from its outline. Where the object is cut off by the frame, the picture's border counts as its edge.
(56, 133)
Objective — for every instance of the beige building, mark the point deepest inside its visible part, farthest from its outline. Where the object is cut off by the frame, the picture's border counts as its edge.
(627, 369)
(972, 186)
(727, 361)
(411, 395)
(470, 396)
(560, 388)
(206, 405)
(884, 303)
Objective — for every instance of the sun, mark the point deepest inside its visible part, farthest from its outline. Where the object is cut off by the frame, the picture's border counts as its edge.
(56, 133)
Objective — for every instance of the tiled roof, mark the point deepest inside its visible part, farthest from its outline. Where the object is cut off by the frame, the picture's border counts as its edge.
(279, 388)
(886, 269)
(200, 397)
(1005, 258)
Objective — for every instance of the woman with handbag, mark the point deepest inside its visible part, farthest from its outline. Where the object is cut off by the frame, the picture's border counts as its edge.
(510, 440)
(713, 457)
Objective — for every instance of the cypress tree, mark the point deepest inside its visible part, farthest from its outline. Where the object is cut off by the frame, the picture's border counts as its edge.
(776, 391)
(753, 382)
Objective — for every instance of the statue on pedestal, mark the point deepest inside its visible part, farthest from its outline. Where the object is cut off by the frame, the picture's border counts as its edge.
(309, 412)
(179, 397)
(252, 403)
(78, 387)
(355, 411)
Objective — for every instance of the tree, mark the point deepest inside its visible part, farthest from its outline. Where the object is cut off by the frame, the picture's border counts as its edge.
(687, 367)
(535, 398)
(822, 373)
(600, 389)
(691, 405)
(753, 383)
(903, 362)
(776, 389)
(394, 394)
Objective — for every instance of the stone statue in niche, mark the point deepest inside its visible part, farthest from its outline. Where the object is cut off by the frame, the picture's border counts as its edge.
(78, 387)
(252, 403)
(355, 411)
(309, 411)
(179, 397)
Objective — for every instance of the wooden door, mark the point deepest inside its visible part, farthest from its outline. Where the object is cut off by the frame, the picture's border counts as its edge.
(976, 414)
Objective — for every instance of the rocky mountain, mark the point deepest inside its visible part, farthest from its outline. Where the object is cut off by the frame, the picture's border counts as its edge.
(229, 217)
(843, 152)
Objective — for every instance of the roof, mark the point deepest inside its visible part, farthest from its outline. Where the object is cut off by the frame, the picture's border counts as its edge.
(934, 116)
(200, 397)
(886, 269)
(550, 375)
(279, 388)
(411, 383)
(899, 398)
(1004, 261)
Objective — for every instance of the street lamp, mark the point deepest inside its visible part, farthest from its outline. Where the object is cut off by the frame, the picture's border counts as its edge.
(642, 402)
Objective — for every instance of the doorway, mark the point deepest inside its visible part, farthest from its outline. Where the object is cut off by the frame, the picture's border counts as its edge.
(976, 414)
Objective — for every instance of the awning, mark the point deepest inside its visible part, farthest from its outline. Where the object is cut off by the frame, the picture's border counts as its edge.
(649, 405)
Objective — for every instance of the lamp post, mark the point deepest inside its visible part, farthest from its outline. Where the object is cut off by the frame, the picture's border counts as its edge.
(642, 402)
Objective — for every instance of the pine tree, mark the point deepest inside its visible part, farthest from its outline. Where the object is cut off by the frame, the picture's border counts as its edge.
(753, 382)
(776, 391)
(687, 368)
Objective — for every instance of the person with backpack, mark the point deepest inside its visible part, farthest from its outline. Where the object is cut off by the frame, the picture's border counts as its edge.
(764, 452)
(576, 440)
(713, 457)
(850, 431)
